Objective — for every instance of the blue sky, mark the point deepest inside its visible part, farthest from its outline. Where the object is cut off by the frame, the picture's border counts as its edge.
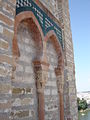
(80, 25)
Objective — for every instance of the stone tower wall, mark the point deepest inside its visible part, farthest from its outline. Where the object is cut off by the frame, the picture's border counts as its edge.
(18, 95)
(62, 13)
(7, 17)
(70, 83)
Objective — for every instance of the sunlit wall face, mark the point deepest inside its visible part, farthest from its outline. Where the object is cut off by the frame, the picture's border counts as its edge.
(52, 5)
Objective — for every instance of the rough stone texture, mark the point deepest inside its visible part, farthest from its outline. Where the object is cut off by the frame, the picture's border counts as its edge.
(70, 92)
(70, 101)
(18, 93)
(7, 13)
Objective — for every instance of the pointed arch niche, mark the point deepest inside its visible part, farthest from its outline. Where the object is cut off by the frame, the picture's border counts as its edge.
(27, 47)
(31, 43)
(54, 104)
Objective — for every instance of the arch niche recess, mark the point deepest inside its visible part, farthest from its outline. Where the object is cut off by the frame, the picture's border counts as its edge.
(27, 48)
(39, 62)
(56, 70)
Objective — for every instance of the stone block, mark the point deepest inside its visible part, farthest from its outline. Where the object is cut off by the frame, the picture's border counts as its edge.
(4, 116)
(6, 20)
(19, 67)
(5, 88)
(3, 71)
(16, 102)
(47, 92)
(5, 105)
(7, 59)
(8, 33)
(24, 58)
(51, 67)
(22, 90)
(13, 2)
(29, 79)
(3, 44)
(54, 92)
(27, 101)
(29, 90)
(18, 90)
(1, 29)
(53, 75)
(0, 3)
(8, 8)
(29, 69)
(51, 83)
(21, 114)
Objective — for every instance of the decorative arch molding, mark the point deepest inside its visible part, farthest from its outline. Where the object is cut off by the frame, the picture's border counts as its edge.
(19, 18)
(48, 29)
(59, 70)
(26, 15)
(45, 22)
(46, 26)
(51, 35)
(39, 66)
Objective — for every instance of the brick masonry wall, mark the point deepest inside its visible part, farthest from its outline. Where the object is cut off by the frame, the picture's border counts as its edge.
(7, 14)
(51, 92)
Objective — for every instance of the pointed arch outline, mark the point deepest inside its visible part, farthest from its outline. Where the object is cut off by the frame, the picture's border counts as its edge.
(18, 19)
(59, 70)
(51, 34)
(25, 15)
(54, 39)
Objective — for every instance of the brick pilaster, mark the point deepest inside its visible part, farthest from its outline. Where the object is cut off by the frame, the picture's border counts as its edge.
(60, 84)
(41, 75)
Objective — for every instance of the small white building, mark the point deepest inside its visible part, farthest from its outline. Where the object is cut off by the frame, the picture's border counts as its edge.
(85, 95)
